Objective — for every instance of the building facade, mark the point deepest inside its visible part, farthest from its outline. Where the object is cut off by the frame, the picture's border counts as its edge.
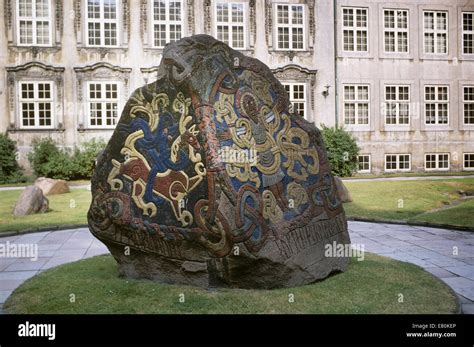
(398, 75)
(405, 79)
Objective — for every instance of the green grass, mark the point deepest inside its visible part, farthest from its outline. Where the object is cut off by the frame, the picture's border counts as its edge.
(65, 209)
(460, 215)
(373, 285)
(411, 201)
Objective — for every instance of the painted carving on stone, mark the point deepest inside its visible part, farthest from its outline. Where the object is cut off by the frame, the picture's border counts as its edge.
(211, 181)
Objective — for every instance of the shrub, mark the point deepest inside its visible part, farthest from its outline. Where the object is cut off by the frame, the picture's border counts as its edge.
(84, 157)
(48, 160)
(10, 171)
(342, 150)
(44, 151)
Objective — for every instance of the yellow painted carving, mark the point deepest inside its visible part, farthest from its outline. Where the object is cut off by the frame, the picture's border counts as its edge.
(297, 193)
(271, 211)
(225, 108)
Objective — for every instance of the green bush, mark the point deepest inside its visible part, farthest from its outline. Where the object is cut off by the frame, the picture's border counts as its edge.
(48, 160)
(85, 156)
(10, 171)
(342, 150)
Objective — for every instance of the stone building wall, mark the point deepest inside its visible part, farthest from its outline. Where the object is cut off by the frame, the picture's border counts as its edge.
(70, 64)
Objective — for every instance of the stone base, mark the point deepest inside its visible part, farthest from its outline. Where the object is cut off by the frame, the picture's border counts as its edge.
(235, 271)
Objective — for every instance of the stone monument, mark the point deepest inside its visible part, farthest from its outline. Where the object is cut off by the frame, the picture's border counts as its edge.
(209, 178)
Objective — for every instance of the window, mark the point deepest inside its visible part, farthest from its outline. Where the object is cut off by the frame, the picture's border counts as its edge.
(397, 104)
(290, 27)
(436, 104)
(356, 104)
(354, 29)
(468, 161)
(36, 101)
(166, 21)
(296, 94)
(468, 104)
(435, 32)
(230, 25)
(34, 22)
(102, 22)
(397, 162)
(437, 161)
(102, 103)
(363, 163)
(468, 32)
(396, 31)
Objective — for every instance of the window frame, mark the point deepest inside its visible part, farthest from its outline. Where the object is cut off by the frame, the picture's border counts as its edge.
(102, 101)
(466, 102)
(369, 162)
(102, 22)
(436, 102)
(355, 28)
(469, 32)
(36, 100)
(397, 169)
(397, 102)
(435, 31)
(34, 19)
(230, 23)
(290, 26)
(396, 30)
(437, 168)
(167, 22)
(464, 167)
(356, 102)
(293, 101)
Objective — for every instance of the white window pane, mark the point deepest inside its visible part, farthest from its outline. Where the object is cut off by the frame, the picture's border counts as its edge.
(428, 20)
(441, 21)
(110, 9)
(42, 33)
(297, 14)
(283, 38)
(175, 10)
(238, 37)
(110, 34)
(282, 14)
(26, 8)
(26, 32)
(237, 13)
(159, 10)
(93, 9)
(42, 8)
(389, 19)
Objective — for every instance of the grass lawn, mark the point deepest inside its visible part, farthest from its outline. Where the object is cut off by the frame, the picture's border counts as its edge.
(65, 209)
(412, 201)
(373, 285)
(461, 215)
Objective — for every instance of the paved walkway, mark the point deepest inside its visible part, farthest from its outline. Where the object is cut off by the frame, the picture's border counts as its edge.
(447, 254)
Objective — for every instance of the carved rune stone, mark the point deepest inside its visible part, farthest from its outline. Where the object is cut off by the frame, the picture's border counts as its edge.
(209, 179)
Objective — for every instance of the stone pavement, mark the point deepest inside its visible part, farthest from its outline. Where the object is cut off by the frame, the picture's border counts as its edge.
(447, 254)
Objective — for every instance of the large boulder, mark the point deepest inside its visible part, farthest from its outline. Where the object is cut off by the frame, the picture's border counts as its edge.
(342, 191)
(31, 201)
(209, 179)
(51, 186)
